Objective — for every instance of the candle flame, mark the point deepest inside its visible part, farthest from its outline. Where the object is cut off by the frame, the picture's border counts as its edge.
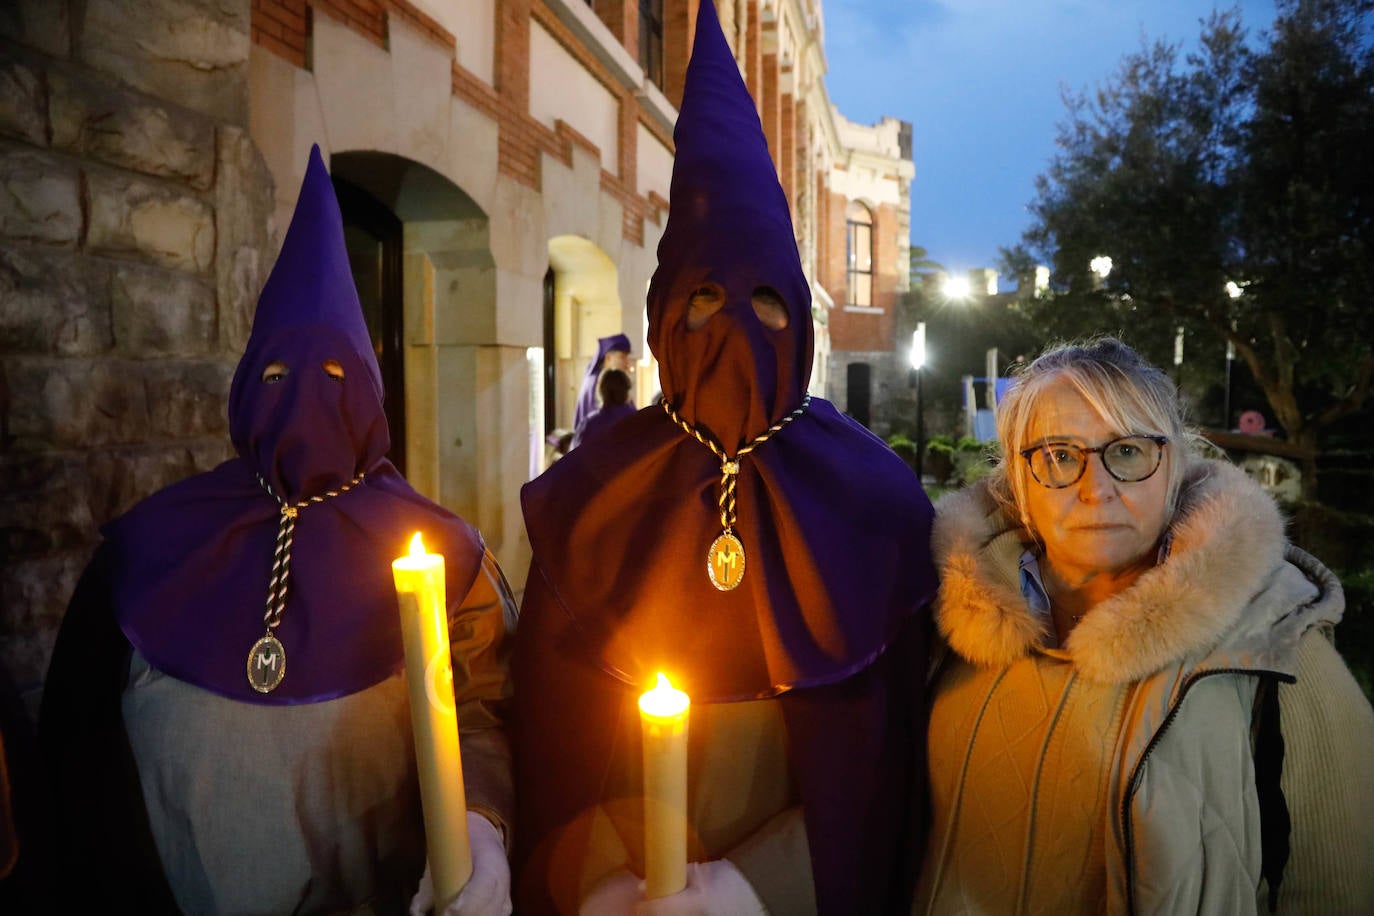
(664, 700)
(417, 546)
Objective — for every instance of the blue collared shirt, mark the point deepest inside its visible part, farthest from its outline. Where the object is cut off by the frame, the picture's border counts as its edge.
(1033, 583)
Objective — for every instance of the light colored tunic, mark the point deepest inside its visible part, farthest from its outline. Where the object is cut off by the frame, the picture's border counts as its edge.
(312, 808)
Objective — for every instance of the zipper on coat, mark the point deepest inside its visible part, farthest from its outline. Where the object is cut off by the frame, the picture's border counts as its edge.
(1134, 783)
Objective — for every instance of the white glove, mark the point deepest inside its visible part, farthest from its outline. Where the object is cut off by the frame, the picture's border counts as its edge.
(487, 892)
(713, 888)
(614, 895)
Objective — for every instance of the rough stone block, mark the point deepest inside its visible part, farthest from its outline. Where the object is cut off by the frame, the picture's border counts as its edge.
(39, 198)
(160, 313)
(188, 399)
(53, 302)
(45, 506)
(243, 233)
(74, 403)
(153, 222)
(130, 130)
(210, 453)
(33, 597)
(23, 108)
(120, 477)
(191, 52)
(41, 24)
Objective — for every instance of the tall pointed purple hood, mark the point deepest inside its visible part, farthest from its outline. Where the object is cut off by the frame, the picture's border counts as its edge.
(834, 525)
(730, 231)
(193, 562)
(309, 434)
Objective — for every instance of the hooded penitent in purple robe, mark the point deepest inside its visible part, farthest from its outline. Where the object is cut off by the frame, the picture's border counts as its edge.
(586, 396)
(193, 562)
(183, 578)
(830, 614)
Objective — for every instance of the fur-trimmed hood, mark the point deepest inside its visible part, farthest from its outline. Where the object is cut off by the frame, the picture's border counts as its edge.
(1232, 592)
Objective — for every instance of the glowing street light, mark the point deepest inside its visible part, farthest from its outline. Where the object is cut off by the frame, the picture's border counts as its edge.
(1233, 289)
(918, 361)
(918, 345)
(1101, 266)
(956, 288)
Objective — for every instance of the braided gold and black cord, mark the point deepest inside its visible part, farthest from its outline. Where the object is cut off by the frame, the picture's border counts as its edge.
(281, 556)
(729, 467)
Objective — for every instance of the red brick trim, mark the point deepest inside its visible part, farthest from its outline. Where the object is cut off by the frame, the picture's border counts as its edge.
(476, 93)
(282, 27)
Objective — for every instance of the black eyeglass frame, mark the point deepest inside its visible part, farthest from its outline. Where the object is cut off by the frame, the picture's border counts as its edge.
(1100, 450)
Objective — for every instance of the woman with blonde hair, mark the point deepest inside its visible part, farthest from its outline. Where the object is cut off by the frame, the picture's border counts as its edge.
(1140, 709)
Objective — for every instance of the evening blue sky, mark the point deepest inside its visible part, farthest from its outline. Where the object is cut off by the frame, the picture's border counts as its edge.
(980, 81)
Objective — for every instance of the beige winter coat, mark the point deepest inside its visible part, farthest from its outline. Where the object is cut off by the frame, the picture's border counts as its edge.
(1184, 650)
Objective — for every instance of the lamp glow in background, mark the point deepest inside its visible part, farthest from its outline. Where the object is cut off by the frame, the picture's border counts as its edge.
(1101, 266)
(956, 288)
(918, 345)
(1233, 289)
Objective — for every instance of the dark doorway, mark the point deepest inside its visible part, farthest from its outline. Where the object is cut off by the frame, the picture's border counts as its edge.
(858, 387)
(373, 236)
(550, 358)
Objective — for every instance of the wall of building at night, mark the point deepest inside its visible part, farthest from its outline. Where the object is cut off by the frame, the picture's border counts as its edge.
(514, 140)
(134, 237)
(875, 172)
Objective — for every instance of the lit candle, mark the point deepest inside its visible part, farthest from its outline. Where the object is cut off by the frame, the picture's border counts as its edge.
(434, 718)
(663, 718)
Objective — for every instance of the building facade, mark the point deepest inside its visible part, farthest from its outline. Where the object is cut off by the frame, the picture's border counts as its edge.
(503, 170)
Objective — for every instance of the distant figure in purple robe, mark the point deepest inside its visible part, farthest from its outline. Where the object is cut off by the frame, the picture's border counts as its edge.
(613, 393)
(611, 353)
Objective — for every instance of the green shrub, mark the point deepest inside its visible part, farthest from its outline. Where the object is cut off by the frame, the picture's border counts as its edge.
(940, 444)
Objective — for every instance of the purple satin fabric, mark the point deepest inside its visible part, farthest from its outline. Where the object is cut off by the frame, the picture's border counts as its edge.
(835, 534)
(193, 562)
(586, 396)
(834, 526)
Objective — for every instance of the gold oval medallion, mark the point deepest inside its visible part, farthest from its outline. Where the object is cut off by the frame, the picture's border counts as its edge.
(725, 562)
(266, 664)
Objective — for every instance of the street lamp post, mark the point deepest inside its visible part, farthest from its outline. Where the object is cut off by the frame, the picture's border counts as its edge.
(1178, 358)
(1234, 291)
(1226, 397)
(918, 361)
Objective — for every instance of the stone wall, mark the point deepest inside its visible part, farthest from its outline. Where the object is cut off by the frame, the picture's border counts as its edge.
(135, 222)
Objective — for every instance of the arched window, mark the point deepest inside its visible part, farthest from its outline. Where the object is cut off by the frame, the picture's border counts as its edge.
(859, 245)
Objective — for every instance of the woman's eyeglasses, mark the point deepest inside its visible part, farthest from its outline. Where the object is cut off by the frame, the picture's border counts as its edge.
(1129, 459)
